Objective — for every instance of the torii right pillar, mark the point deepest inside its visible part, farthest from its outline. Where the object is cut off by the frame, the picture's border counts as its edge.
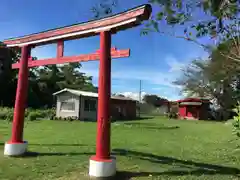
(102, 164)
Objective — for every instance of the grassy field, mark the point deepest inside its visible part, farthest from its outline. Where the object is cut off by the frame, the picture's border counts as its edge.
(153, 148)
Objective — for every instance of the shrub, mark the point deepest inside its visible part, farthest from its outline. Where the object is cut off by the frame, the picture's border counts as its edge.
(34, 115)
(27, 112)
(9, 116)
(40, 114)
(172, 115)
(6, 114)
(236, 120)
(50, 113)
(30, 114)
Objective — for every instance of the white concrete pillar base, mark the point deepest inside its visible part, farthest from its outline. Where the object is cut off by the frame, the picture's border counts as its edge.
(15, 149)
(102, 168)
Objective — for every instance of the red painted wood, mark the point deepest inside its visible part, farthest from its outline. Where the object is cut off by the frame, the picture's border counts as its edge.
(141, 13)
(21, 96)
(80, 58)
(104, 94)
(193, 100)
(182, 111)
(95, 158)
(60, 49)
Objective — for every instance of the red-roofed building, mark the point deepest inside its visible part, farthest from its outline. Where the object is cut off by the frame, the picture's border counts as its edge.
(193, 108)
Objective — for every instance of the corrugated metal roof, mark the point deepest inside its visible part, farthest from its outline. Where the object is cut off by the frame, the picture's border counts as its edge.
(89, 94)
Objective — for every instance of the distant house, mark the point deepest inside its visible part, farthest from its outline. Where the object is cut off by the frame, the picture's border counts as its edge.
(83, 105)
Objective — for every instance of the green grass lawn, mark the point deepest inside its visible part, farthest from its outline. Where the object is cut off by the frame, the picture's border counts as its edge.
(146, 149)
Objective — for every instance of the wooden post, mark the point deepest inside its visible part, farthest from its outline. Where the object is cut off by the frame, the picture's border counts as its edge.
(104, 94)
(16, 146)
(60, 49)
(103, 165)
(21, 96)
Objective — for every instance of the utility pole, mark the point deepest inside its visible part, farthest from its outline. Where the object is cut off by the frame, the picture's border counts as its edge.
(140, 98)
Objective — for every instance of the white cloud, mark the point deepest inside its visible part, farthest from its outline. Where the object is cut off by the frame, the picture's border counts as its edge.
(161, 81)
(154, 75)
(174, 64)
(148, 75)
(133, 95)
(177, 65)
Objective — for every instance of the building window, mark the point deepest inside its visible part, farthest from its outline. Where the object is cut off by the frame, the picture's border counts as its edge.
(67, 104)
(90, 105)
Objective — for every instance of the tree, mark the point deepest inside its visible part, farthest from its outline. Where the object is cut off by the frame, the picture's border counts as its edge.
(184, 11)
(222, 20)
(117, 94)
(121, 95)
(216, 78)
(230, 42)
(103, 8)
(154, 100)
(73, 78)
(222, 25)
(7, 75)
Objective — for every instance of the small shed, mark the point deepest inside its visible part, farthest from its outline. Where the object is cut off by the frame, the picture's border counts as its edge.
(83, 105)
(193, 108)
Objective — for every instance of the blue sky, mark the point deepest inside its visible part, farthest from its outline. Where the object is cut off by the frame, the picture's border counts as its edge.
(155, 59)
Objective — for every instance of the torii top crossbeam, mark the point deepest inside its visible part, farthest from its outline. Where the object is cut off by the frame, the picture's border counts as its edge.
(122, 21)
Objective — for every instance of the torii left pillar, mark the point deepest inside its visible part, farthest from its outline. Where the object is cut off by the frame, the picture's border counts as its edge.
(16, 146)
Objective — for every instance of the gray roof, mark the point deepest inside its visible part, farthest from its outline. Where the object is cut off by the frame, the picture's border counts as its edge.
(89, 94)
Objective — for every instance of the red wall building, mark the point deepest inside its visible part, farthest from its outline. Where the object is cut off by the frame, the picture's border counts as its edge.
(123, 108)
(193, 108)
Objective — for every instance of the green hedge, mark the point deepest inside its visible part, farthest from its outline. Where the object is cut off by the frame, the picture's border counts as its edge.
(6, 113)
(30, 114)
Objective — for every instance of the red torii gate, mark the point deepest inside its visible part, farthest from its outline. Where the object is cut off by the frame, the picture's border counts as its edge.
(102, 164)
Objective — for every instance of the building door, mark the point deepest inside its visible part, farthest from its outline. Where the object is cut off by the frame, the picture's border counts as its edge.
(192, 112)
(182, 111)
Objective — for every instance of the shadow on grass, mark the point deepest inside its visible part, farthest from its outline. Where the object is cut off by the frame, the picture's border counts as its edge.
(126, 175)
(69, 145)
(38, 154)
(132, 120)
(151, 126)
(145, 118)
(58, 144)
(190, 167)
(142, 124)
(120, 120)
(162, 128)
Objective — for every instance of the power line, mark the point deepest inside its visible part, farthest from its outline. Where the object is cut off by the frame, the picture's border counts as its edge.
(140, 97)
(140, 91)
